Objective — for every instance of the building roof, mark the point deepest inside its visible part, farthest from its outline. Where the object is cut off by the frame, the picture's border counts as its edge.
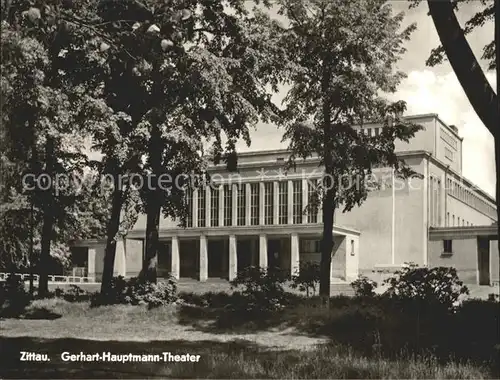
(451, 233)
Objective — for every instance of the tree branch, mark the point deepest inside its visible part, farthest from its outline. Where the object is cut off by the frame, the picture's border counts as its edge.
(79, 22)
(470, 75)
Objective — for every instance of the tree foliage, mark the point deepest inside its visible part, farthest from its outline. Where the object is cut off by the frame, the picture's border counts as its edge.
(478, 20)
(432, 286)
(306, 278)
(462, 59)
(343, 57)
(42, 141)
(192, 71)
(147, 81)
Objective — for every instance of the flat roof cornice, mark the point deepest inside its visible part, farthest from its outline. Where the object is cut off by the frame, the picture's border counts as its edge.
(270, 230)
(308, 161)
(443, 233)
(315, 161)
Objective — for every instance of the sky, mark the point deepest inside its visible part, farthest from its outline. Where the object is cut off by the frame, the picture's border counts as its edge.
(430, 90)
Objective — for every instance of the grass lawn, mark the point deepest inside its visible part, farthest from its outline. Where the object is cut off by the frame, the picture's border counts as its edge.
(282, 352)
(217, 360)
(183, 285)
(194, 286)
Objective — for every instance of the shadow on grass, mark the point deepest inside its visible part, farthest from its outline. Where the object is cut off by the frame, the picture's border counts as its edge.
(370, 326)
(41, 313)
(227, 313)
(209, 351)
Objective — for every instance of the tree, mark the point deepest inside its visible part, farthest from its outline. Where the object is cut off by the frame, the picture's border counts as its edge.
(158, 78)
(21, 216)
(455, 47)
(219, 66)
(15, 210)
(196, 72)
(37, 117)
(343, 56)
(43, 130)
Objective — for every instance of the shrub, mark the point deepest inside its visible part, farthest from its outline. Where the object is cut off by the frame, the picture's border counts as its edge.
(493, 297)
(391, 327)
(136, 291)
(13, 296)
(262, 290)
(306, 279)
(74, 294)
(364, 287)
(208, 299)
(58, 293)
(474, 329)
(141, 292)
(431, 286)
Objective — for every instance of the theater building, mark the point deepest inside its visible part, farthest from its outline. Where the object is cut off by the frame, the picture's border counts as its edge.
(256, 217)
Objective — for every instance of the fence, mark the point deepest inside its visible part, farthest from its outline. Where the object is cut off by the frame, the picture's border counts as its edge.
(53, 278)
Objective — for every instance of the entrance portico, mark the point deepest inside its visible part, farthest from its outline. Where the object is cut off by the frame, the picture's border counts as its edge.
(187, 253)
(472, 251)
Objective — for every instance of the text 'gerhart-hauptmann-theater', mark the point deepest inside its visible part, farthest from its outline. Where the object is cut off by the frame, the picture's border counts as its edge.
(255, 217)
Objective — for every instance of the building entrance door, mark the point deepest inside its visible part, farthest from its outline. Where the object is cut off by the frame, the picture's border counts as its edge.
(244, 253)
(483, 258)
(273, 253)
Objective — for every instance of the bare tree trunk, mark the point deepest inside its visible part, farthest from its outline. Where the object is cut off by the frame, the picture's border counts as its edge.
(153, 208)
(48, 222)
(35, 171)
(328, 196)
(497, 137)
(152, 240)
(6, 6)
(32, 232)
(111, 233)
(326, 245)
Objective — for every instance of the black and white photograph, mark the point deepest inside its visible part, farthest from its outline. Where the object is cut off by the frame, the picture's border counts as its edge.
(250, 189)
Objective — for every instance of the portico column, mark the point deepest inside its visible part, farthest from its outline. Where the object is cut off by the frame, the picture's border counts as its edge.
(263, 251)
(203, 258)
(233, 258)
(294, 254)
(175, 259)
(290, 201)
(91, 262)
(120, 264)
